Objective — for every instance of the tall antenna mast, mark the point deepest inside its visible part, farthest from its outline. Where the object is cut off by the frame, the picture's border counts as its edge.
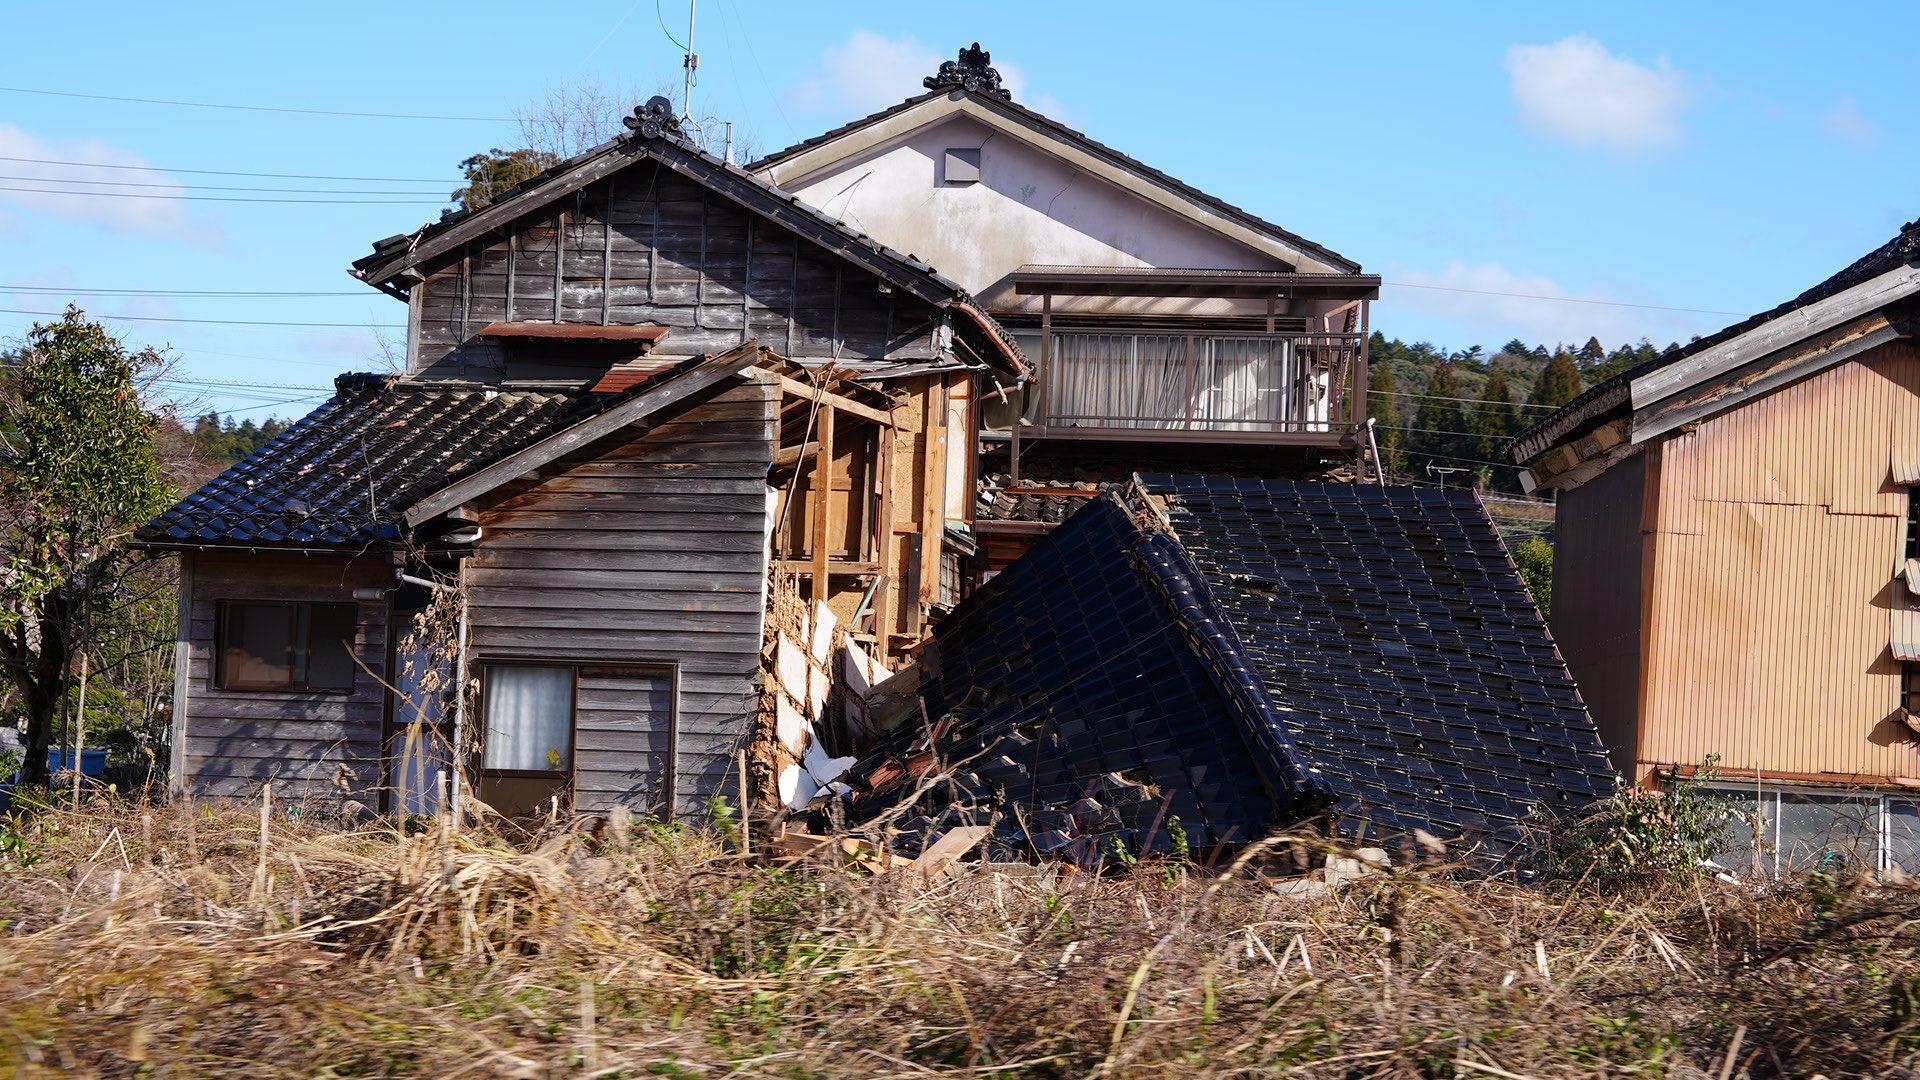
(692, 64)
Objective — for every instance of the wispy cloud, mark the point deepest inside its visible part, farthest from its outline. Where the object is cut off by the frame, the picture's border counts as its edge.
(1848, 124)
(115, 213)
(865, 73)
(1489, 303)
(1575, 91)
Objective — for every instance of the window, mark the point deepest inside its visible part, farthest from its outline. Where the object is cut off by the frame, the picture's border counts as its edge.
(1910, 686)
(961, 165)
(1913, 523)
(274, 645)
(529, 718)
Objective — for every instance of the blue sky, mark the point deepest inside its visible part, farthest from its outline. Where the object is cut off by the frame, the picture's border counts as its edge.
(1649, 154)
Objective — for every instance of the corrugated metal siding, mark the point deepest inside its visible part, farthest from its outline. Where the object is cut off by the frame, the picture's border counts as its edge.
(650, 553)
(1777, 531)
(1597, 598)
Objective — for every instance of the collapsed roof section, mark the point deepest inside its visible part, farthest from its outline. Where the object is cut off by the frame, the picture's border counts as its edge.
(1242, 654)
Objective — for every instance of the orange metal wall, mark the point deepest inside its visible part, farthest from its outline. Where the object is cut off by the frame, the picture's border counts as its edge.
(1775, 531)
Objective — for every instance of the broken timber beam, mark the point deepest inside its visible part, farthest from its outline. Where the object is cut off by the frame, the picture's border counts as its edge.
(847, 405)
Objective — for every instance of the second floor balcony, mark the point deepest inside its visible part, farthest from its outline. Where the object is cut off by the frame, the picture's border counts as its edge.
(1281, 359)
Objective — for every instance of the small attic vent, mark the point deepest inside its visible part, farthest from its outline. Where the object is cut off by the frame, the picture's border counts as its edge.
(961, 165)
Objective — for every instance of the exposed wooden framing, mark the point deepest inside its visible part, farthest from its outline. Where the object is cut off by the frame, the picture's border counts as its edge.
(835, 567)
(790, 456)
(822, 494)
(847, 405)
(933, 508)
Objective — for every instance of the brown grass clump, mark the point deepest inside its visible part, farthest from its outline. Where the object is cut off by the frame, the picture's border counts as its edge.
(151, 939)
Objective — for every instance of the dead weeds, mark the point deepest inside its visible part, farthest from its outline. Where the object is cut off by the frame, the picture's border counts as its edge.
(155, 940)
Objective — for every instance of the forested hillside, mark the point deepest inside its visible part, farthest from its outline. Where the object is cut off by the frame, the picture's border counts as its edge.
(1446, 417)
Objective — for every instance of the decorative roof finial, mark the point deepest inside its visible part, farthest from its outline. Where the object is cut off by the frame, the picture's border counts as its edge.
(972, 72)
(654, 119)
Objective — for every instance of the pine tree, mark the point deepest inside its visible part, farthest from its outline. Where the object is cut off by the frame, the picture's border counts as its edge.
(1591, 353)
(1384, 406)
(1559, 383)
(1440, 424)
(1496, 420)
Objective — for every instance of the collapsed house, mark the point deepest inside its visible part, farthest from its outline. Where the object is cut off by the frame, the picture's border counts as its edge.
(674, 448)
(1216, 657)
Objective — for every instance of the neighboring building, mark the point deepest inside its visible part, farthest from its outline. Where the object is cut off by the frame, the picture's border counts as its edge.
(1170, 328)
(1736, 577)
(1240, 655)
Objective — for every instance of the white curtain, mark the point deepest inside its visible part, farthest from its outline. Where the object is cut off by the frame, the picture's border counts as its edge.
(1149, 381)
(529, 717)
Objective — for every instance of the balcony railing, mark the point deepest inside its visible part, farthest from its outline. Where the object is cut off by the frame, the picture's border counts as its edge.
(1252, 387)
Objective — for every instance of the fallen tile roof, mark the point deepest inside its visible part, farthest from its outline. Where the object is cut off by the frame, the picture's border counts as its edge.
(1265, 650)
(342, 476)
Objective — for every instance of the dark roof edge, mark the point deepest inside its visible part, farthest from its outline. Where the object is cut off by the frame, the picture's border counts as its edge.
(1162, 559)
(1602, 398)
(1085, 142)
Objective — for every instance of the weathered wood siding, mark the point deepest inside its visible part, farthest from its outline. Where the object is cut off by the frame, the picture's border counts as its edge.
(649, 246)
(1597, 607)
(1776, 532)
(236, 739)
(648, 553)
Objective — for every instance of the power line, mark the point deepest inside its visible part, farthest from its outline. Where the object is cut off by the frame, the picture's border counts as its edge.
(206, 187)
(222, 198)
(250, 108)
(1561, 299)
(214, 322)
(229, 172)
(251, 294)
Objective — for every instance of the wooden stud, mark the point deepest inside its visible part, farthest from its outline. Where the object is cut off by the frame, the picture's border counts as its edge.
(559, 256)
(820, 492)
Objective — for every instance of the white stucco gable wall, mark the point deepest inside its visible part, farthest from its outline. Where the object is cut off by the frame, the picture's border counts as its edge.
(1029, 206)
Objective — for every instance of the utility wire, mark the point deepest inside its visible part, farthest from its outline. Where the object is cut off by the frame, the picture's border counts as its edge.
(1562, 299)
(230, 172)
(214, 322)
(206, 187)
(222, 198)
(249, 108)
(1467, 400)
(250, 294)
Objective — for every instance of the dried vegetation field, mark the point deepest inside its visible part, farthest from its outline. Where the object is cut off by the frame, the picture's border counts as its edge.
(166, 941)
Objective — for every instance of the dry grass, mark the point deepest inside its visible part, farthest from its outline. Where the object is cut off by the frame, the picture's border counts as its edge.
(150, 940)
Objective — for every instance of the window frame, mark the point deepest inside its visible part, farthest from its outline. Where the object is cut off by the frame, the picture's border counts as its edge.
(300, 663)
(573, 722)
(669, 669)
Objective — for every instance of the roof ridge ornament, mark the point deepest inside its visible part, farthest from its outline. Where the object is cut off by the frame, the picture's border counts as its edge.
(973, 72)
(654, 119)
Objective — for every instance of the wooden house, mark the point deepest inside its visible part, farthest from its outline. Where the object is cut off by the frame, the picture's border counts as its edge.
(632, 382)
(1736, 578)
(1168, 327)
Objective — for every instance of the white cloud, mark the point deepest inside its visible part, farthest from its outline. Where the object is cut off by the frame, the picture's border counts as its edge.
(866, 73)
(1576, 91)
(1488, 303)
(1846, 122)
(114, 213)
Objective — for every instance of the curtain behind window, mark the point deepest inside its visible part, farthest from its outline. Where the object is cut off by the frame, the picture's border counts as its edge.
(529, 717)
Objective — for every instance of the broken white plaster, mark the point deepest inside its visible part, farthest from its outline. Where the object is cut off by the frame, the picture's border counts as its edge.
(824, 625)
(790, 726)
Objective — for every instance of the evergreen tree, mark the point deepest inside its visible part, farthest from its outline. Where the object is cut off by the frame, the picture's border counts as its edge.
(1591, 353)
(1440, 422)
(1384, 405)
(1559, 383)
(1496, 420)
(1516, 347)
